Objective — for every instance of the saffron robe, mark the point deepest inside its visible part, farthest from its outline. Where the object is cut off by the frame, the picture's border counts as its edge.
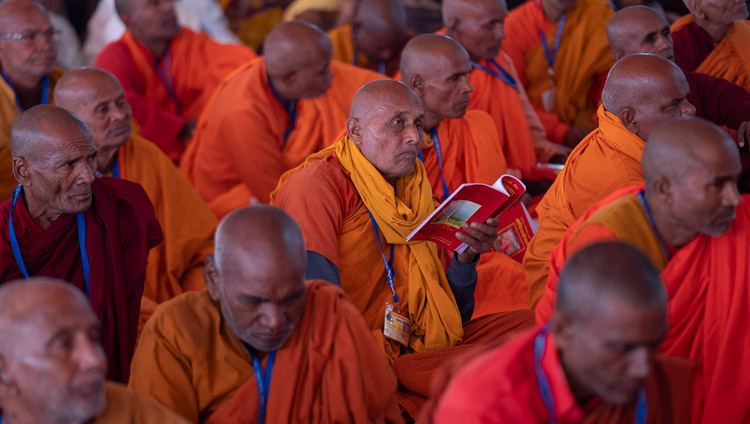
(194, 64)
(8, 114)
(330, 369)
(500, 385)
(120, 230)
(227, 166)
(176, 265)
(607, 159)
(126, 407)
(694, 50)
(344, 50)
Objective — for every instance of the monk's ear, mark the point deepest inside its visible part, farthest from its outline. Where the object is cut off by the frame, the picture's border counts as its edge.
(211, 275)
(662, 187)
(452, 26)
(618, 54)
(354, 130)
(8, 387)
(21, 170)
(627, 115)
(417, 84)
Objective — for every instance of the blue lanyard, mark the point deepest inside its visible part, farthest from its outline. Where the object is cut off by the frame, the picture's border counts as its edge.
(446, 192)
(642, 198)
(502, 75)
(166, 77)
(263, 380)
(381, 64)
(45, 96)
(291, 110)
(115, 173)
(540, 342)
(552, 55)
(17, 251)
(389, 274)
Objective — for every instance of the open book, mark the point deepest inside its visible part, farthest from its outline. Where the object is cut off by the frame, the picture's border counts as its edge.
(515, 231)
(470, 203)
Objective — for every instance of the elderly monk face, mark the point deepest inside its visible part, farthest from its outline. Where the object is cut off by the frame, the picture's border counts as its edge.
(640, 30)
(445, 87)
(34, 54)
(479, 26)
(152, 19)
(52, 363)
(666, 103)
(721, 12)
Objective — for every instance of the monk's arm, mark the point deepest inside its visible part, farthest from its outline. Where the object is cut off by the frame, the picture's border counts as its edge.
(320, 268)
(463, 281)
(723, 102)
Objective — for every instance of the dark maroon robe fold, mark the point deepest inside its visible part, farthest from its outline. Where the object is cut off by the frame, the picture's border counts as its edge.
(718, 100)
(692, 45)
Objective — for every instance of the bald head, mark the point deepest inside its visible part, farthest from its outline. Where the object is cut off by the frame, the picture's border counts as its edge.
(19, 9)
(478, 25)
(81, 86)
(377, 95)
(424, 54)
(44, 127)
(639, 29)
(379, 29)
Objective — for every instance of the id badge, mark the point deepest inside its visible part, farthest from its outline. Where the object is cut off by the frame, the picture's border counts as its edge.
(396, 326)
(548, 98)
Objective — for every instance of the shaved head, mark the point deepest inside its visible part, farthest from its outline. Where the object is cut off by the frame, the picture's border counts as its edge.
(80, 86)
(478, 25)
(425, 52)
(25, 62)
(639, 29)
(38, 129)
(19, 9)
(377, 95)
(378, 29)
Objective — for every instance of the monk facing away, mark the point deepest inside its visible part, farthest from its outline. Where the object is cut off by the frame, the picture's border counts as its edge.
(713, 40)
(63, 222)
(188, 224)
(52, 365)
(594, 362)
(169, 72)
(263, 345)
(641, 92)
(27, 53)
(374, 38)
(356, 202)
(267, 117)
(460, 147)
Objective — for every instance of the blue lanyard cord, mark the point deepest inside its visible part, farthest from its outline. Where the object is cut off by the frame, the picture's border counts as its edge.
(446, 192)
(291, 110)
(642, 198)
(45, 91)
(166, 77)
(381, 65)
(81, 221)
(501, 73)
(263, 380)
(116, 168)
(389, 274)
(552, 55)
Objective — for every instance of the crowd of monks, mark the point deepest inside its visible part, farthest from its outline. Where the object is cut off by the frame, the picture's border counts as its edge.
(201, 232)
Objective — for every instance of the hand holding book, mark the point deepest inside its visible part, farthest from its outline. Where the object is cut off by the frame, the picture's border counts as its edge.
(479, 237)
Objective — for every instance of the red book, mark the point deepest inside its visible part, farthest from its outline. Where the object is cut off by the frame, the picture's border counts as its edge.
(515, 231)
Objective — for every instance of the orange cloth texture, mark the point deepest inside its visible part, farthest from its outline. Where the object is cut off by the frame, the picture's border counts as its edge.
(343, 46)
(176, 265)
(126, 407)
(607, 159)
(329, 371)
(238, 149)
(8, 114)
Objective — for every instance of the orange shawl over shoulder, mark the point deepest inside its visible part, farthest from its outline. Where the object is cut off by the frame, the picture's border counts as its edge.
(126, 407)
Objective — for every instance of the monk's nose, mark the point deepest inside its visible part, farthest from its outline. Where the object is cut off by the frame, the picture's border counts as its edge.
(499, 32)
(273, 316)
(687, 109)
(732, 196)
(86, 174)
(89, 356)
(640, 363)
(466, 84)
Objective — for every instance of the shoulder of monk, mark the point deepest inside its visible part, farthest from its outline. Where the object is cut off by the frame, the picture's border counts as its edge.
(196, 308)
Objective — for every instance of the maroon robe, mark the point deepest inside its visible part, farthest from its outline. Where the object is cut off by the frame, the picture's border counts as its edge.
(120, 229)
(718, 100)
(692, 45)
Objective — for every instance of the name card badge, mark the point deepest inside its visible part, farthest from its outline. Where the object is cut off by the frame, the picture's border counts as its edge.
(548, 98)
(396, 326)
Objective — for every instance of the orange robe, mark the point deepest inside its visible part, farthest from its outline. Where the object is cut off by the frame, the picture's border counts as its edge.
(499, 385)
(176, 265)
(239, 150)
(126, 407)
(328, 371)
(607, 159)
(8, 114)
(194, 63)
(582, 59)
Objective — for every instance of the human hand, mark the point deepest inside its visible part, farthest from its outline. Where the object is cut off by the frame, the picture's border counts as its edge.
(480, 237)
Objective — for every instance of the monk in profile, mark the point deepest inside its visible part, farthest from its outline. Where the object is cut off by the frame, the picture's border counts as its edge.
(269, 115)
(176, 265)
(27, 53)
(357, 201)
(374, 38)
(713, 40)
(169, 72)
(642, 91)
(52, 365)
(594, 362)
(264, 345)
(63, 222)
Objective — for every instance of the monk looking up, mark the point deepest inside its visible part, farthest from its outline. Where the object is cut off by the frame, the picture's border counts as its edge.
(176, 265)
(375, 37)
(478, 26)
(358, 200)
(27, 55)
(293, 102)
(52, 366)
(595, 360)
(713, 40)
(169, 72)
(63, 222)
(437, 68)
(641, 92)
(321, 365)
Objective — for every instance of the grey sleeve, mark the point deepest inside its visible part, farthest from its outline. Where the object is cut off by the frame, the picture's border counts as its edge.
(320, 268)
(463, 281)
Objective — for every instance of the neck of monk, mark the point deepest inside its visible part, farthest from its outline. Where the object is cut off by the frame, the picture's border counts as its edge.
(551, 12)
(41, 214)
(717, 32)
(431, 120)
(580, 393)
(157, 47)
(28, 89)
(669, 229)
(105, 158)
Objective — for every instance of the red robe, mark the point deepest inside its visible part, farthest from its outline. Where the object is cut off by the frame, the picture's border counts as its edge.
(718, 100)
(120, 230)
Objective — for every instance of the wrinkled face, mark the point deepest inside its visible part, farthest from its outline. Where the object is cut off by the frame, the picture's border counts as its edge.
(612, 355)
(152, 19)
(58, 365)
(377, 45)
(446, 89)
(667, 101)
(481, 29)
(107, 115)
(723, 12)
(35, 54)
(649, 34)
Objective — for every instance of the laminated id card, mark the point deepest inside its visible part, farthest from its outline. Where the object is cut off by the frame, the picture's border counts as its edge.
(396, 326)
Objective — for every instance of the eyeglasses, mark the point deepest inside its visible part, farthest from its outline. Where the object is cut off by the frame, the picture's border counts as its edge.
(32, 36)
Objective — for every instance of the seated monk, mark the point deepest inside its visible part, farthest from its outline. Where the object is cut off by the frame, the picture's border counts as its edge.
(478, 26)
(357, 201)
(27, 55)
(562, 56)
(269, 116)
(169, 72)
(52, 365)
(188, 225)
(713, 40)
(260, 318)
(594, 362)
(460, 147)
(641, 92)
(63, 222)
(374, 38)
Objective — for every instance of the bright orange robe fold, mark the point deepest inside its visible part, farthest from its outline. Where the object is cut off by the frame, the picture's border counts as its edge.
(126, 407)
(176, 265)
(329, 371)
(607, 159)
(8, 114)
(238, 149)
